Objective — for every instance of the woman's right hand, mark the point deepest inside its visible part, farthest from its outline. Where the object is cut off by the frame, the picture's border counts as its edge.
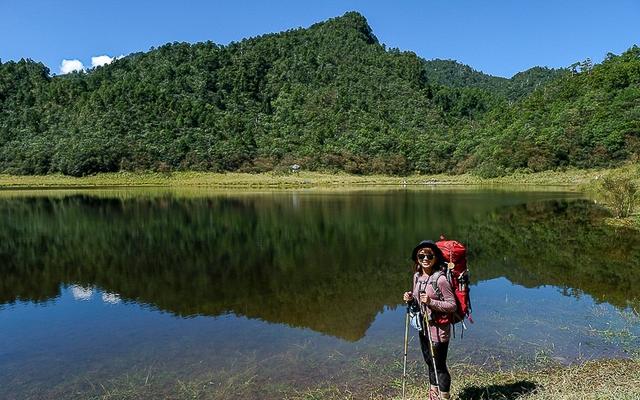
(407, 296)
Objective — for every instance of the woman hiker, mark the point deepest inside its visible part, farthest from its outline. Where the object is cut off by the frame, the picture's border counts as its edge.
(429, 267)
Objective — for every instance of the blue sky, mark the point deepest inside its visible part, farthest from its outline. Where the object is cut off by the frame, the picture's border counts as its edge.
(499, 37)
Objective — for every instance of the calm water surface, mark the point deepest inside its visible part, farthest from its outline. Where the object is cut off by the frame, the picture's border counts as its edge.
(138, 293)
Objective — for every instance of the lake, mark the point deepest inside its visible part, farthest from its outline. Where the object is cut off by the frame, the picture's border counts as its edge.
(159, 293)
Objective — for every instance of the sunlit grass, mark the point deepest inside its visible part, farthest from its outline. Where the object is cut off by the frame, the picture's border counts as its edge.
(292, 180)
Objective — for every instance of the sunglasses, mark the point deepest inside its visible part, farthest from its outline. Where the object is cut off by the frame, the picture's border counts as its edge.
(427, 256)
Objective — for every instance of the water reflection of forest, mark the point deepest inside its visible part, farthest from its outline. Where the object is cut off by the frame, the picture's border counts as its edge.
(329, 264)
(559, 243)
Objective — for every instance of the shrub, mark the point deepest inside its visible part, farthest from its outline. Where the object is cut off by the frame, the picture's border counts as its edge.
(489, 169)
(258, 165)
(163, 168)
(621, 194)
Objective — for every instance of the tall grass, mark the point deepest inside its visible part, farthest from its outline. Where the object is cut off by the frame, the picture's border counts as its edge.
(621, 194)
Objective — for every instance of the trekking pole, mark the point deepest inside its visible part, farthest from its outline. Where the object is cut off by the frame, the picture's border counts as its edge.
(406, 343)
(431, 350)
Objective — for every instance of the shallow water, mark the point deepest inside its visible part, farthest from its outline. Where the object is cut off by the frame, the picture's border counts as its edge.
(134, 292)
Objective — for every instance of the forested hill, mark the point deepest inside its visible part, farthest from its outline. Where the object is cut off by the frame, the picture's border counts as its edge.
(454, 74)
(590, 117)
(327, 97)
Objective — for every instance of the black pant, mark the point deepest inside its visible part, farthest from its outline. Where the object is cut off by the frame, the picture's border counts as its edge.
(440, 350)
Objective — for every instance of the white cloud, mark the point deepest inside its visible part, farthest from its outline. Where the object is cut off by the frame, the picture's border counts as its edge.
(81, 293)
(111, 298)
(98, 61)
(70, 66)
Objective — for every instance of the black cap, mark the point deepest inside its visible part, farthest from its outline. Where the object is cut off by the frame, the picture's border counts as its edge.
(427, 244)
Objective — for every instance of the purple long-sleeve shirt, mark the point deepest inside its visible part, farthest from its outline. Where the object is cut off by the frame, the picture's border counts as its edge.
(439, 332)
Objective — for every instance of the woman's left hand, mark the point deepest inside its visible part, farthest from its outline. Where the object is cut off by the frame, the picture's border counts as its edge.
(424, 298)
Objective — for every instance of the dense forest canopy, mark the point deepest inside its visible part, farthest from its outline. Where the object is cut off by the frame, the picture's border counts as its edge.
(329, 97)
(453, 74)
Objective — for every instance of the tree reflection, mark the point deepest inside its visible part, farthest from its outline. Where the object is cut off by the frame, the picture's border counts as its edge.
(558, 243)
(329, 263)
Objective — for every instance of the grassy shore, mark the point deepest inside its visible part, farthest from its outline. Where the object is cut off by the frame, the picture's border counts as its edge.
(591, 380)
(586, 181)
(570, 178)
(602, 379)
(617, 379)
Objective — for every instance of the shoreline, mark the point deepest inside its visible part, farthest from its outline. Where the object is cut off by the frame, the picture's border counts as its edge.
(592, 379)
(571, 179)
(544, 379)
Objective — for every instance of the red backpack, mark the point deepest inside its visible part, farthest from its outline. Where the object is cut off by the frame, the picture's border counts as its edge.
(457, 274)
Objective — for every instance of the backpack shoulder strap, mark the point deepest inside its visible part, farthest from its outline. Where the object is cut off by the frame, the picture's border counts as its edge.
(434, 284)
